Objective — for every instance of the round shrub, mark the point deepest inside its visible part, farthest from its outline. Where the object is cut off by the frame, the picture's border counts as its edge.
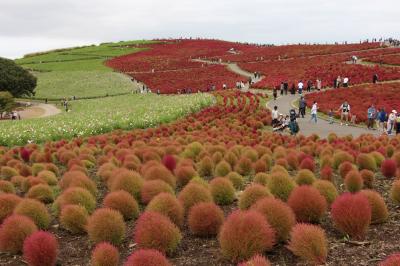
(327, 189)
(245, 234)
(351, 214)
(261, 178)
(73, 218)
(194, 193)
(260, 166)
(78, 196)
(222, 191)
(392, 260)
(222, 168)
(78, 179)
(31, 181)
(251, 195)
(305, 177)
(106, 225)
(388, 168)
(308, 204)
(152, 188)
(8, 202)
(257, 260)
(353, 181)
(41, 192)
(147, 257)
(205, 167)
(13, 232)
(326, 173)
(169, 206)
(205, 219)
(345, 168)
(309, 243)
(395, 192)
(160, 172)
(155, 231)
(49, 177)
(307, 163)
(236, 179)
(366, 161)
(368, 178)
(169, 162)
(379, 211)
(6, 187)
(40, 249)
(278, 214)
(340, 157)
(35, 210)
(129, 181)
(8, 172)
(105, 254)
(184, 174)
(281, 185)
(123, 202)
(244, 166)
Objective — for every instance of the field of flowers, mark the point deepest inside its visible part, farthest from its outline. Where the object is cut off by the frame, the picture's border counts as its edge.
(213, 188)
(393, 59)
(97, 116)
(360, 98)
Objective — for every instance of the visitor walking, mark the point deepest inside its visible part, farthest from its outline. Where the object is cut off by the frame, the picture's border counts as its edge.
(302, 107)
(285, 87)
(346, 82)
(314, 110)
(275, 94)
(371, 116)
(391, 121)
(293, 125)
(293, 89)
(275, 116)
(345, 109)
(330, 115)
(319, 84)
(381, 117)
(375, 78)
(309, 85)
(338, 81)
(300, 86)
(281, 88)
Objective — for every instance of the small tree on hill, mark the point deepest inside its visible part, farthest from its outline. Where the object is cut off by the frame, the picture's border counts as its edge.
(7, 102)
(16, 80)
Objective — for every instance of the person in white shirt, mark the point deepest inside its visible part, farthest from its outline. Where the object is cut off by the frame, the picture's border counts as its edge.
(300, 86)
(314, 110)
(275, 116)
(346, 82)
(391, 122)
(345, 109)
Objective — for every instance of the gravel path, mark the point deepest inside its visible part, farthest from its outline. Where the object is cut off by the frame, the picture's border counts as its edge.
(39, 110)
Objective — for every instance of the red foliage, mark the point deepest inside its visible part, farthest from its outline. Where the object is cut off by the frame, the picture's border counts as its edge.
(154, 230)
(245, 234)
(40, 249)
(123, 202)
(308, 204)
(308, 163)
(388, 168)
(13, 232)
(105, 254)
(205, 219)
(169, 162)
(326, 173)
(392, 260)
(351, 214)
(168, 205)
(152, 188)
(257, 260)
(8, 202)
(147, 257)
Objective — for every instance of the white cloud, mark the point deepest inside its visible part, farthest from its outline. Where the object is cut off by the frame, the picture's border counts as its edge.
(29, 26)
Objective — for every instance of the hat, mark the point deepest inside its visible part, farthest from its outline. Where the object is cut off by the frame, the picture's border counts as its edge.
(394, 111)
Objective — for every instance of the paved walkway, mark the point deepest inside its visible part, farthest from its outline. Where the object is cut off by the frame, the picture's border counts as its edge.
(39, 110)
(322, 127)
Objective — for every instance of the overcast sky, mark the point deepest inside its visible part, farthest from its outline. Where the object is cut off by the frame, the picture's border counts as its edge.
(35, 25)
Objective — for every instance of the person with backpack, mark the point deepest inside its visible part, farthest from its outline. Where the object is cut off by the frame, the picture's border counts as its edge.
(345, 109)
(381, 117)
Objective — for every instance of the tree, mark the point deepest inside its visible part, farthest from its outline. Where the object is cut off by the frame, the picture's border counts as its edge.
(6, 102)
(16, 80)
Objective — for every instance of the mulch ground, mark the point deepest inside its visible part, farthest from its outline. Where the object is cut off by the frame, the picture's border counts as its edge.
(381, 241)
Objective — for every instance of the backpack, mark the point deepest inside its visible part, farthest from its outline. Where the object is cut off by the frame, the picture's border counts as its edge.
(345, 107)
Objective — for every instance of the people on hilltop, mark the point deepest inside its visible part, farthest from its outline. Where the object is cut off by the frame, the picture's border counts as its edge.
(345, 113)
(371, 115)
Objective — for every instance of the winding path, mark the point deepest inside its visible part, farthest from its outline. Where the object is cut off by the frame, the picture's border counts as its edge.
(39, 110)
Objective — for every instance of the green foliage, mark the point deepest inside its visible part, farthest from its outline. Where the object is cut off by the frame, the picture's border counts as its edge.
(15, 79)
(7, 102)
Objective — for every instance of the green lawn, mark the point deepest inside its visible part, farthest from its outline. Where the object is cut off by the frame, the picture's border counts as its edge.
(96, 116)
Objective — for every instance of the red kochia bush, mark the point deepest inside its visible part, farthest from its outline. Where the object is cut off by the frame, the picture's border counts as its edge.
(307, 203)
(252, 194)
(392, 260)
(168, 205)
(244, 234)
(194, 193)
(35, 210)
(40, 249)
(278, 214)
(152, 188)
(147, 257)
(74, 218)
(308, 163)
(8, 202)
(13, 232)
(123, 202)
(105, 254)
(351, 214)
(169, 162)
(309, 243)
(353, 181)
(257, 260)
(106, 225)
(388, 168)
(154, 230)
(205, 219)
